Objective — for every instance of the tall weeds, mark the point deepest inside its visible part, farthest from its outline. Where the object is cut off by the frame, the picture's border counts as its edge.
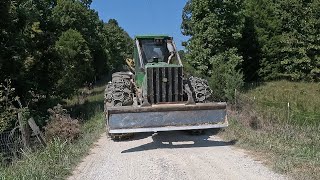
(263, 122)
(57, 160)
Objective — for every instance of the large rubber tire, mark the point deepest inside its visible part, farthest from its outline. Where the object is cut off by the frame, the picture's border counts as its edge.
(121, 137)
(201, 91)
(119, 93)
(197, 132)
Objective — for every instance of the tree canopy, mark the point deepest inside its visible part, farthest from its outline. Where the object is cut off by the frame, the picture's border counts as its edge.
(215, 28)
(50, 48)
(288, 33)
(252, 40)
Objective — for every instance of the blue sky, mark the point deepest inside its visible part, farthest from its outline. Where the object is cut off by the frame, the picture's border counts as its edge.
(144, 16)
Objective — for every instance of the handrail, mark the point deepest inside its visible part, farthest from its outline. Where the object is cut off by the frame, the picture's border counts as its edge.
(140, 54)
(178, 56)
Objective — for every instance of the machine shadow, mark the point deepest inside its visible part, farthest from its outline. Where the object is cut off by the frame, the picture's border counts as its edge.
(178, 139)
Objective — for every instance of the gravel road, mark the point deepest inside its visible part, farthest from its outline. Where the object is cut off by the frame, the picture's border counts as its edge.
(170, 155)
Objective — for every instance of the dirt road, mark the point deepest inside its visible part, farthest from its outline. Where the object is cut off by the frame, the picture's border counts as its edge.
(170, 155)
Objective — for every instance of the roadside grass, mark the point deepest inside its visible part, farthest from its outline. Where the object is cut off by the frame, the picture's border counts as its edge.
(288, 138)
(303, 99)
(56, 161)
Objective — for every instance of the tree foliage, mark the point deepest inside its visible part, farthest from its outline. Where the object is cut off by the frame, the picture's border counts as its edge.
(75, 62)
(263, 39)
(120, 44)
(287, 33)
(8, 111)
(215, 28)
(49, 48)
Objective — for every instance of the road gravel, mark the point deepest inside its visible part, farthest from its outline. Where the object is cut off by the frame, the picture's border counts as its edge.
(171, 155)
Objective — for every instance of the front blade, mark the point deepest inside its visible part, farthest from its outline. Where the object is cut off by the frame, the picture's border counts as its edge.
(166, 117)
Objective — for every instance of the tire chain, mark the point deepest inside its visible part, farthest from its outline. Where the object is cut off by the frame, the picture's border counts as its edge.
(201, 89)
(119, 91)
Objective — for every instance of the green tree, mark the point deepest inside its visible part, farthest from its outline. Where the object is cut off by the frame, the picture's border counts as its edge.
(120, 44)
(288, 33)
(75, 62)
(77, 15)
(227, 76)
(300, 41)
(8, 112)
(266, 26)
(87, 3)
(250, 49)
(49, 48)
(215, 28)
(25, 53)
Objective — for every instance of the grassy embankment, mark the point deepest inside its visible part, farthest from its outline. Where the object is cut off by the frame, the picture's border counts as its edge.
(288, 137)
(57, 160)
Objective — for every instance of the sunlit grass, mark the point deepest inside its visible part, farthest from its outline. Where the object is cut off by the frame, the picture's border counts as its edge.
(298, 101)
(289, 142)
(57, 160)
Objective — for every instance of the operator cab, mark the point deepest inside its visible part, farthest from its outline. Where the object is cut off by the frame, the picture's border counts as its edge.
(155, 50)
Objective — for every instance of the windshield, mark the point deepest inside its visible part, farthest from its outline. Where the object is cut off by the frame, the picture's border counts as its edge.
(154, 50)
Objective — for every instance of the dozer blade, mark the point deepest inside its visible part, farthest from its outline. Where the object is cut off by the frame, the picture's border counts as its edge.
(166, 117)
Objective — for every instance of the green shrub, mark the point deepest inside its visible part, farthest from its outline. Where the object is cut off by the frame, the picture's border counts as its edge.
(58, 158)
(225, 75)
(61, 125)
(287, 137)
(8, 112)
